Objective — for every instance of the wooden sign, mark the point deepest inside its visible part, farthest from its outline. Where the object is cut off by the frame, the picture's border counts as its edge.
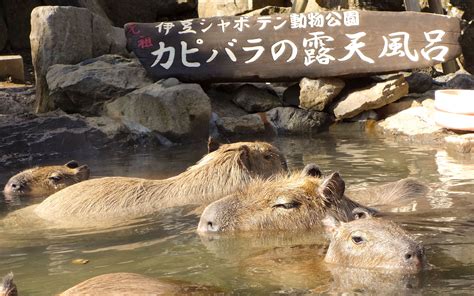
(288, 47)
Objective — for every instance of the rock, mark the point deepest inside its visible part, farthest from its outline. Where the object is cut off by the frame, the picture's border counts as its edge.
(249, 124)
(419, 82)
(67, 35)
(461, 81)
(372, 97)
(364, 116)
(382, 5)
(416, 123)
(398, 106)
(253, 99)
(467, 44)
(179, 112)
(3, 32)
(17, 100)
(146, 11)
(317, 94)
(208, 8)
(221, 102)
(291, 96)
(289, 120)
(465, 5)
(83, 87)
(11, 66)
(269, 10)
(460, 143)
(28, 138)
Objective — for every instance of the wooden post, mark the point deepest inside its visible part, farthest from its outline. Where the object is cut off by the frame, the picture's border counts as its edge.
(412, 5)
(437, 7)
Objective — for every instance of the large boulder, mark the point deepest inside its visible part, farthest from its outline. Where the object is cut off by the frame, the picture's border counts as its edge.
(83, 87)
(254, 99)
(180, 112)
(419, 82)
(249, 124)
(17, 100)
(316, 94)
(289, 120)
(372, 97)
(210, 8)
(68, 35)
(148, 11)
(28, 138)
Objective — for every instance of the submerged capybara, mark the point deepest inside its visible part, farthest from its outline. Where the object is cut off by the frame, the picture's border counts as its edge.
(135, 284)
(8, 287)
(295, 202)
(46, 180)
(393, 193)
(373, 243)
(113, 199)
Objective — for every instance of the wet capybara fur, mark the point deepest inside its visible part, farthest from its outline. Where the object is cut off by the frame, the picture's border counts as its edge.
(373, 243)
(221, 172)
(46, 180)
(296, 202)
(8, 287)
(135, 284)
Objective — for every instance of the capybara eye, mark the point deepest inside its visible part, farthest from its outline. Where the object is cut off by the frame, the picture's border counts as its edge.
(357, 239)
(267, 156)
(55, 178)
(288, 205)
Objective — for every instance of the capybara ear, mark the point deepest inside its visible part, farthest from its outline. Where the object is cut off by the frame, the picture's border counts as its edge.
(245, 156)
(361, 213)
(72, 164)
(332, 188)
(330, 224)
(312, 170)
(212, 145)
(8, 287)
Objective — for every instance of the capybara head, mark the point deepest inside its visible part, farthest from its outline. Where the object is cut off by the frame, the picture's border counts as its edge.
(44, 181)
(260, 159)
(373, 243)
(8, 287)
(295, 202)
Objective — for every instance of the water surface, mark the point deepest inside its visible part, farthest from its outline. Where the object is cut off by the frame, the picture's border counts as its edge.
(166, 245)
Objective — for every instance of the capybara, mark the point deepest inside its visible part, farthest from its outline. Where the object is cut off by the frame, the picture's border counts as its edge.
(373, 243)
(299, 201)
(46, 180)
(135, 284)
(393, 193)
(8, 287)
(115, 199)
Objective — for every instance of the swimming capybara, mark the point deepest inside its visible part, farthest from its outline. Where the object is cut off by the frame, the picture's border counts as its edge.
(299, 201)
(113, 199)
(373, 243)
(393, 193)
(135, 284)
(46, 180)
(8, 287)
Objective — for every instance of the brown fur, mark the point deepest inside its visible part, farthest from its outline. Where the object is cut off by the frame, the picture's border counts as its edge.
(221, 172)
(134, 284)
(283, 203)
(373, 243)
(390, 193)
(46, 180)
(8, 287)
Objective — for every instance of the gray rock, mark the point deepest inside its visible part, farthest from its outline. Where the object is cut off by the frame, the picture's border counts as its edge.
(317, 94)
(372, 97)
(221, 102)
(210, 8)
(254, 99)
(364, 116)
(461, 81)
(269, 10)
(82, 87)
(179, 112)
(419, 82)
(68, 35)
(244, 125)
(32, 137)
(17, 100)
(289, 120)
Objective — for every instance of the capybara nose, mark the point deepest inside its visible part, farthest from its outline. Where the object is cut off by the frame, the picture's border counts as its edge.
(415, 257)
(209, 219)
(13, 186)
